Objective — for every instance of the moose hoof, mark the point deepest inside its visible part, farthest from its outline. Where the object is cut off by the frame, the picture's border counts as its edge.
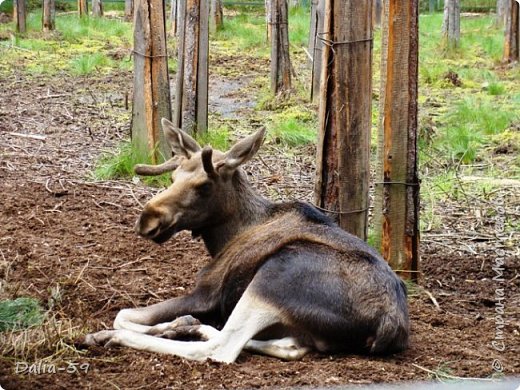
(104, 338)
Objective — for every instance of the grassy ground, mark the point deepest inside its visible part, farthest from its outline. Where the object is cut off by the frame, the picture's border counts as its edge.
(469, 117)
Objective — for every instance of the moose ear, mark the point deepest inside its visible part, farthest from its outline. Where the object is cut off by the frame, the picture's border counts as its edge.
(241, 152)
(180, 142)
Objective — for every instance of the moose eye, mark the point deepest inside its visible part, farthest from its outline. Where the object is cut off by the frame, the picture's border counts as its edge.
(204, 189)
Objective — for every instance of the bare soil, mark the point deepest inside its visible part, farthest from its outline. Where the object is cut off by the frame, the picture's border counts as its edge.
(62, 231)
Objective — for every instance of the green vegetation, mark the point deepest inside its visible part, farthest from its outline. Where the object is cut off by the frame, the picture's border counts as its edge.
(78, 46)
(20, 313)
(217, 138)
(120, 165)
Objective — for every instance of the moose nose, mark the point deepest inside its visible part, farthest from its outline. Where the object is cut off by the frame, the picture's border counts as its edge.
(147, 227)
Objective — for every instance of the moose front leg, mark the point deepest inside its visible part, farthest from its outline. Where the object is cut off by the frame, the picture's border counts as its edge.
(144, 319)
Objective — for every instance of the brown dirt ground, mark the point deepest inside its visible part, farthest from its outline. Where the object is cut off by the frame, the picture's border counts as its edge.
(59, 228)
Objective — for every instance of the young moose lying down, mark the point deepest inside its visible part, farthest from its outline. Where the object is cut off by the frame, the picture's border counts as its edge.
(284, 279)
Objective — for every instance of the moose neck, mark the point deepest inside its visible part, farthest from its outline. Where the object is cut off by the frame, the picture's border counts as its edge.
(248, 208)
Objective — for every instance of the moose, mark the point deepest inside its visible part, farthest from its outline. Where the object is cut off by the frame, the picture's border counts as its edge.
(283, 280)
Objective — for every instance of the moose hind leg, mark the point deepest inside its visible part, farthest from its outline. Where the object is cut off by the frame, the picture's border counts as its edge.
(287, 348)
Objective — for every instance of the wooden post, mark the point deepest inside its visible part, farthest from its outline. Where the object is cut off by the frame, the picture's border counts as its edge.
(345, 121)
(174, 10)
(451, 23)
(48, 15)
(377, 10)
(151, 99)
(82, 8)
(216, 16)
(280, 60)
(396, 210)
(268, 19)
(20, 16)
(129, 10)
(431, 6)
(512, 32)
(97, 8)
(501, 8)
(316, 45)
(191, 95)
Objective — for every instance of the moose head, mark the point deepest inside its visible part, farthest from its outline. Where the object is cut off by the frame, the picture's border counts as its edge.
(204, 191)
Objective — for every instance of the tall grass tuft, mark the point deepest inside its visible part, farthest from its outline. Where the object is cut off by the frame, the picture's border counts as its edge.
(120, 165)
(20, 313)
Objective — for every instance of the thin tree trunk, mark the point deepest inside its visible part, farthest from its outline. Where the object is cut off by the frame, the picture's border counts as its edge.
(280, 59)
(396, 209)
(48, 15)
(151, 101)
(377, 10)
(20, 16)
(97, 8)
(268, 20)
(316, 44)
(502, 6)
(216, 16)
(129, 10)
(82, 8)
(342, 177)
(451, 23)
(174, 9)
(512, 32)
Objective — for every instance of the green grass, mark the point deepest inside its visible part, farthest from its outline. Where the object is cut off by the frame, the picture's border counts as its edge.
(469, 126)
(121, 163)
(299, 21)
(217, 138)
(86, 64)
(245, 32)
(20, 313)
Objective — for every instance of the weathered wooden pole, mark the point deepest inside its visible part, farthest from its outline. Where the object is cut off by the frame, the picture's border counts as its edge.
(512, 32)
(151, 100)
(396, 209)
(191, 95)
(216, 16)
(48, 15)
(268, 20)
(377, 11)
(280, 60)
(345, 121)
(501, 9)
(97, 8)
(451, 23)
(129, 10)
(174, 11)
(20, 16)
(82, 8)
(316, 44)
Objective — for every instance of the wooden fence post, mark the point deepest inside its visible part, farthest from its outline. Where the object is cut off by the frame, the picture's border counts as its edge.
(512, 32)
(48, 15)
(129, 10)
(377, 11)
(82, 8)
(268, 19)
(396, 210)
(451, 23)
(191, 95)
(151, 99)
(216, 16)
(316, 45)
(20, 16)
(97, 8)
(343, 165)
(280, 60)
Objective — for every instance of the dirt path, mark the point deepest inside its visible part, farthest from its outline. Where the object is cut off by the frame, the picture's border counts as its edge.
(70, 243)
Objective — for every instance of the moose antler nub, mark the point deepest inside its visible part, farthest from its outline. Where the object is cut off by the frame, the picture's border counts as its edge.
(207, 162)
(154, 170)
